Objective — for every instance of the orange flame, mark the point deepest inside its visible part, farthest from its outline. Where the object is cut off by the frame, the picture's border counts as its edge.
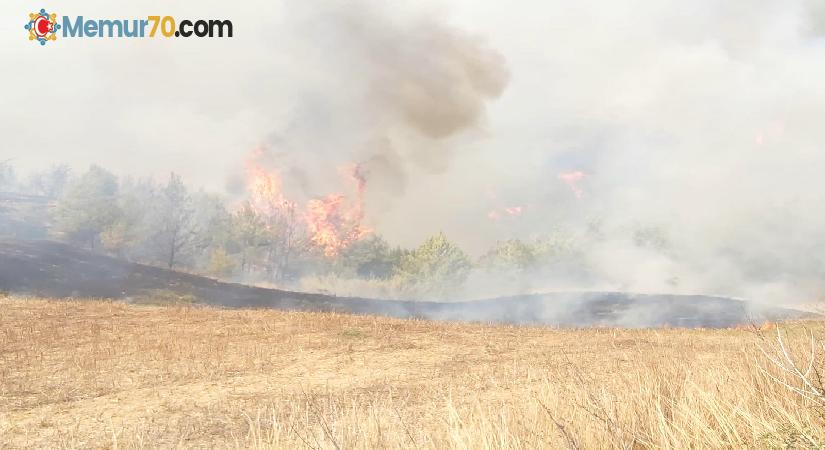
(571, 179)
(512, 211)
(332, 223)
(333, 226)
(265, 190)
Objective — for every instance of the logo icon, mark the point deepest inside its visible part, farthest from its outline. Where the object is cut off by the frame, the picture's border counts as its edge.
(42, 27)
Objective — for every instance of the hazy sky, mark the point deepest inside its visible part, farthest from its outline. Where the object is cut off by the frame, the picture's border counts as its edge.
(704, 117)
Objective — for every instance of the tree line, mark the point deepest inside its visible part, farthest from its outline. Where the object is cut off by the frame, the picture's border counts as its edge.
(168, 224)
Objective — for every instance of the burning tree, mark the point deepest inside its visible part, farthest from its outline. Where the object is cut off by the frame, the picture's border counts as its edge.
(331, 225)
(332, 222)
(271, 221)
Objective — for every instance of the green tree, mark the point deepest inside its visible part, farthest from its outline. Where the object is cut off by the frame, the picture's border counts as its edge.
(88, 207)
(51, 182)
(437, 266)
(220, 264)
(372, 257)
(117, 238)
(214, 225)
(512, 254)
(249, 231)
(128, 235)
(175, 230)
(271, 236)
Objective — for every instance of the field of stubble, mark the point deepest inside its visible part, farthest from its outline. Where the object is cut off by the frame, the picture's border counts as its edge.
(97, 374)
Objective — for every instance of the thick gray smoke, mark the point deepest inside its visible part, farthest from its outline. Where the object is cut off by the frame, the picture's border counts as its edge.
(695, 126)
(695, 123)
(390, 92)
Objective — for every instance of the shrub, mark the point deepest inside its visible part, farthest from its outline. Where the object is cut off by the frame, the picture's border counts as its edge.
(436, 268)
(221, 265)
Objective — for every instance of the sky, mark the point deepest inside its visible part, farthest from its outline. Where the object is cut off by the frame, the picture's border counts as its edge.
(702, 118)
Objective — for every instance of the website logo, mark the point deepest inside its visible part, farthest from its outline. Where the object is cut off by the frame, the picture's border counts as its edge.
(42, 27)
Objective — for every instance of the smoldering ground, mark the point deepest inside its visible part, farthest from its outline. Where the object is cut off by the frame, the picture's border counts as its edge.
(56, 270)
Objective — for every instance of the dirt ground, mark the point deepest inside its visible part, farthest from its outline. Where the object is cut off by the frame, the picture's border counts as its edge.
(98, 374)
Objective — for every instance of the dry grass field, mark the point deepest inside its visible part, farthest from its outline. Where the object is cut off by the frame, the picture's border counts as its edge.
(97, 374)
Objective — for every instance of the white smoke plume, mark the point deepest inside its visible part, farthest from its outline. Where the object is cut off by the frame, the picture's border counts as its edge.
(700, 120)
(389, 92)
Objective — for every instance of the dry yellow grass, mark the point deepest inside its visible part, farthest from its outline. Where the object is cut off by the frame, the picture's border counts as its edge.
(90, 374)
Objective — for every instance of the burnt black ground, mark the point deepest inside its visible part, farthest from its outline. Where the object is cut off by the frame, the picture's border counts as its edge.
(51, 269)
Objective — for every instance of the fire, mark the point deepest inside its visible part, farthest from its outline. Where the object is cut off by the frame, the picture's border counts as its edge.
(500, 211)
(572, 179)
(332, 223)
(512, 211)
(265, 190)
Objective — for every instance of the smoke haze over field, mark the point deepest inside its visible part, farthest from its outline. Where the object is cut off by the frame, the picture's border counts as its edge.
(694, 125)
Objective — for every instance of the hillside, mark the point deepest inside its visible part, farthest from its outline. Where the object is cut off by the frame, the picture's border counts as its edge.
(24, 216)
(52, 269)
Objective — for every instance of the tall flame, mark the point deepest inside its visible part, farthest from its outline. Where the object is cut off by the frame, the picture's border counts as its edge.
(266, 196)
(332, 222)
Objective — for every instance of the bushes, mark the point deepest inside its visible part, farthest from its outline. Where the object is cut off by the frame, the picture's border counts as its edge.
(88, 207)
(372, 258)
(436, 268)
(512, 254)
(221, 265)
(170, 225)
